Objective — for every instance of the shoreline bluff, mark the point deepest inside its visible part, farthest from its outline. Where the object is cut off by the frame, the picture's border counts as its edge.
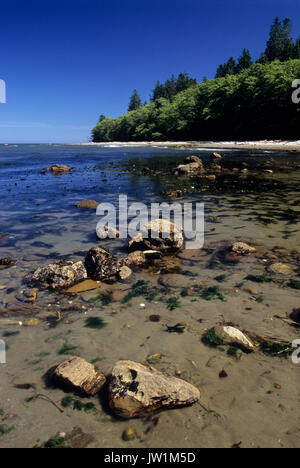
(265, 145)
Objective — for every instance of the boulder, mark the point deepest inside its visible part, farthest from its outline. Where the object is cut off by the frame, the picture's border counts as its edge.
(87, 204)
(160, 235)
(107, 232)
(100, 264)
(233, 336)
(134, 260)
(136, 390)
(58, 169)
(281, 269)
(78, 375)
(190, 169)
(193, 159)
(60, 275)
(241, 248)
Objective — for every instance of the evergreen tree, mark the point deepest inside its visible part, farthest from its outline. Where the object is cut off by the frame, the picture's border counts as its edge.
(228, 68)
(135, 101)
(158, 92)
(297, 49)
(184, 82)
(280, 45)
(262, 59)
(244, 62)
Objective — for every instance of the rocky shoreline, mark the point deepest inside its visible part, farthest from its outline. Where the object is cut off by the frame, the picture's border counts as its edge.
(150, 326)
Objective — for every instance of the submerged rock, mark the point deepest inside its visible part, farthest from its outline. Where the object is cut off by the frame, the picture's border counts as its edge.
(241, 248)
(233, 336)
(87, 285)
(28, 295)
(136, 390)
(60, 275)
(100, 264)
(173, 194)
(7, 262)
(78, 375)
(87, 204)
(58, 169)
(280, 269)
(159, 235)
(134, 260)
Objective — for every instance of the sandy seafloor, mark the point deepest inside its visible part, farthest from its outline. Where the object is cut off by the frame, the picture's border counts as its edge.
(257, 405)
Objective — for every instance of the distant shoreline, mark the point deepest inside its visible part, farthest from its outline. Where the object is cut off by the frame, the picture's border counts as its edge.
(265, 145)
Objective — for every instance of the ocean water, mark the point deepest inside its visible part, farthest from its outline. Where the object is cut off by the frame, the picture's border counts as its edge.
(42, 224)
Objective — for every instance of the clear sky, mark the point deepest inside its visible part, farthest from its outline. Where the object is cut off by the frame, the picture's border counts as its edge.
(66, 62)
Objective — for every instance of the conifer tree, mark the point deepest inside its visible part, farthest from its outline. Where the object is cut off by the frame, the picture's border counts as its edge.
(244, 61)
(135, 101)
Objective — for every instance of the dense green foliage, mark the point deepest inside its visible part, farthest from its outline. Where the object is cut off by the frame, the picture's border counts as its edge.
(256, 103)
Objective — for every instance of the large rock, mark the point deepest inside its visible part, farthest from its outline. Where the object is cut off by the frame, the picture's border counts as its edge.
(100, 264)
(160, 235)
(136, 390)
(78, 375)
(241, 248)
(193, 166)
(60, 275)
(58, 169)
(233, 336)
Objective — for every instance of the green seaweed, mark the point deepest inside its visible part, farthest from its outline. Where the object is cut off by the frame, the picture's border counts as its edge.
(140, 288)
(95, 323)
(106, 299)
(221, 278)
(211, 293)
(55, 443)
(260, 299)
(77, 405)
(66, 349)
(173, 303)
(9, 334)
(295, 284)
(275, 348)
(259, 278)
(184, 293)
(4, 429)
(212, 338)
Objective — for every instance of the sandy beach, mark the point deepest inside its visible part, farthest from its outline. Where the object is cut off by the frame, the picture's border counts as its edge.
(265, 145)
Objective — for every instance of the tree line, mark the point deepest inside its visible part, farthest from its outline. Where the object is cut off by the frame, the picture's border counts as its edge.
(246, 100)
(280, 46)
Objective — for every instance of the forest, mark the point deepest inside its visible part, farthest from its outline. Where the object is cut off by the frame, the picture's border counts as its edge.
(246, 100)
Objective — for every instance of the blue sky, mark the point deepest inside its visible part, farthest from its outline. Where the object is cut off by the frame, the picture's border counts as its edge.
(66, 62)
